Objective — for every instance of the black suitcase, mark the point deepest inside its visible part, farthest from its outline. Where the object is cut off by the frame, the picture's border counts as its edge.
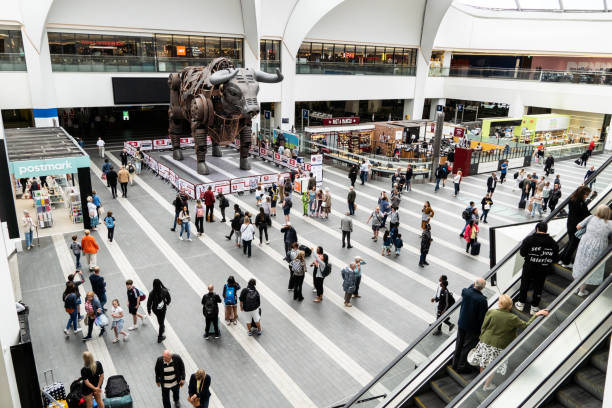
(116, 386)
(475, 249)
(307, 251)
(522, 204)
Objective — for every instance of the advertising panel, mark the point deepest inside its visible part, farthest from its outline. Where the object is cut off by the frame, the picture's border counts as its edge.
(146, 145)
(153, 164)
(173, 178)
(47, 167)
(187, 142)
(222, 186)
(354, 120)
(163, 171)
(241, 184)
(134, 143)
(160, 144)
(189, 188)
(316, 167)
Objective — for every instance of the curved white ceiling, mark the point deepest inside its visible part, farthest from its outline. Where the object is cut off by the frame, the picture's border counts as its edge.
(539, 5)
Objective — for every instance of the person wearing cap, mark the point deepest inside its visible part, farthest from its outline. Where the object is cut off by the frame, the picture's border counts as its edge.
(358, 262)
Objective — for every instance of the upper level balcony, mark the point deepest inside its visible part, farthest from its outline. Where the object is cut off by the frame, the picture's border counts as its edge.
(343, 68)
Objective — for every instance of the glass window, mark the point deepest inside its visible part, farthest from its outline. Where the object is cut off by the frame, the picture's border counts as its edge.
(228, 48)
(213, 47)
(388, 57)
(263, 53)
(349, 54)
(370, 54)
(180, 44)
(197, 47)
(83, 43)
(55, 43)
(163, 45)
(315, 53)
(338, 53)
(238, 52)
(328, 50)
(304, 52)
(360, 56)
(68, 43)
(379, 55)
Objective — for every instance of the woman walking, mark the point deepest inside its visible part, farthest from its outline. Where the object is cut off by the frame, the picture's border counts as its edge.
(263, 221)
(247, 233)
(199, 389)
(312, 199)
(425, 244)
(470, 235)
(93, 309)
(387, 241)
(118, 321)
(223, 204)
(159, 299)
(110, 223)
(298, 267)
(536, 203)
(593, 243)
(28, 228)
(320, 265)
(486, 203)
(426, 214)
(273, 199)
(519, 178)
(327, 203)
(230, 299)
(92, 375)
(319, 200)
(199, 217)
(71, 307)
(348, 283)
(185, 223)
(457, 182)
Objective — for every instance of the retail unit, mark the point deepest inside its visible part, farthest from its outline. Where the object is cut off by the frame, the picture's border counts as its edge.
(350, 138)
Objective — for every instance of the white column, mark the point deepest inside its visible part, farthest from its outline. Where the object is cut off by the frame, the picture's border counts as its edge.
(277, 115)
(287, 88)
(352, 106)
(434, 105)
(517, 109)
(407, 113)
(42, 86)
(446, 60)
(422, 72)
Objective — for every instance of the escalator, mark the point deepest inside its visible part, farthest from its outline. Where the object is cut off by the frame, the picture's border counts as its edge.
(431, 382)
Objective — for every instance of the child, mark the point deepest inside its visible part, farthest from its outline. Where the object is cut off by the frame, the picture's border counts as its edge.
(76, 250)
(305, 201)
(259, 193)
(386, 243)
(117, 325)
(445, 300)
(398, 244)
(109, 221)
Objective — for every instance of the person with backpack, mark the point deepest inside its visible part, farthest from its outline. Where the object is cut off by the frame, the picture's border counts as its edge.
(518, 178)
(247, 233)
(348, 283)
(170, 376)
(287, 204)
(445, 300)
(425, 244)
(358, 262)
(223, 204)
(93, 310)
(134, 296)
(77, 293)
(439, 175)
(467, 216)
(70, 306)
(298, 269)
(491, 183)
(159, 299)
(199, 217)
(322, 269)
(230, 299)
(262, 222)
(110, 223)
(131, 173)
(76, 250)
(249, 304)
(210, 309)
(471, 235)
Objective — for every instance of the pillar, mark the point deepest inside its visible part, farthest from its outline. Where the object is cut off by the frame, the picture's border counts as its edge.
(352, 106)
(277, 115)
(85, 191)
(287, 88)
(517, 109)
(42, 86)
(8, 213)
(446, 62)
(422, 72)
(407, 112)
(434, 106)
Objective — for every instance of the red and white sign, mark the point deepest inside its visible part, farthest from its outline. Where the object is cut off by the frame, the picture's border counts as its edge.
(189, 188)
(173, 178)
(353, 120)
(292, 163)
(159, 144)
(459, 132)
(187, 142)
(153, 164)
(134, 143)
(163, 171)
(240, 184)
(222, 186)
(146, 145)
(307, 166)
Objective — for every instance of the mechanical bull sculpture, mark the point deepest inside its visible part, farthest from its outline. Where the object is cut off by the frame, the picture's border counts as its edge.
(219, 101)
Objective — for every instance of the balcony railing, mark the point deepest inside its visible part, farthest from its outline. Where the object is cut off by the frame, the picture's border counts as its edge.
(342, 68)
(12, 62)
(573, 77)
(112, 63)
(269, 66)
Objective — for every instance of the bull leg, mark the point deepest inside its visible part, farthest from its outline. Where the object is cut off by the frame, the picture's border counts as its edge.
(245, 145)
(216, 152)
(175, 117)
(199, 136)
(175, 137)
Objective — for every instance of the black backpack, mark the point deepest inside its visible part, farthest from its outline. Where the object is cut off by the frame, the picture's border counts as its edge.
(252, 299)
(73, 399)
(327, 270)
(209, 306)
(516, 175)
(522, 184)
(451, 299)
(116, 386)
(466, 214)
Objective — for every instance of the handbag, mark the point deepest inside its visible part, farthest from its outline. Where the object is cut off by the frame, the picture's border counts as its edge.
(101, 210)
(471, 358)
(179, 221)
(579, 233)
(102, 320)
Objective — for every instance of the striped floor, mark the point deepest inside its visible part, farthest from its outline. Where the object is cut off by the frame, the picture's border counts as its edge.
(309, 354)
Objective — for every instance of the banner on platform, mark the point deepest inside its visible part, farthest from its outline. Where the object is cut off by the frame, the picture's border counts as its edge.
(163, 171)
(160, 144)
(222, 186)
(146, 145)
(187, 142)
(173, 178)
(188, 187)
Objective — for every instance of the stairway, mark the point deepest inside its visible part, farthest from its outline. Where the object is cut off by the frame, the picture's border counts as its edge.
(585, 388)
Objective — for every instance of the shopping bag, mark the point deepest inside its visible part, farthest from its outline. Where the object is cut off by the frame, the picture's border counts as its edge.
(103, 176)
(102, 320)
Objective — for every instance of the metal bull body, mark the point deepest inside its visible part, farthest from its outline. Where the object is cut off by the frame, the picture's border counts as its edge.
(219, 101)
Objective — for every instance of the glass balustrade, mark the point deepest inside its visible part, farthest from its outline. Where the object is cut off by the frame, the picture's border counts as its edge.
(269, 66)
(12, 62)
(342, 68)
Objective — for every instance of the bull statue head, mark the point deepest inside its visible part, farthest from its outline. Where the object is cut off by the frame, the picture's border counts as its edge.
(239, 88)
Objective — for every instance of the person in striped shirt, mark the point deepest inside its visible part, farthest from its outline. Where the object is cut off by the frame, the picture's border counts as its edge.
(170, 376)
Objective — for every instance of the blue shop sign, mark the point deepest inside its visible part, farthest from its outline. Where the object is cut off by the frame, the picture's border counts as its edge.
(48, 167)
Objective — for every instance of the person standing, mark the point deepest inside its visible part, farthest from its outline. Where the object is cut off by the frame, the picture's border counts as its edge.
(235, 225)
(348, 283)
(473, 309)
(445, 300)
(199, 218)
(377, 221)
(199, 389)
(76, 250)
(159, 299)
(519, 177)
(425, 244)
(555, 196)
(409, 173)
(110, 223)
(588, 174)
(491, 183)
(249, 304)
(98, 286)
(138, 157)
(90, 249)
(28, 229)
(230, 298)
(93, 213)
(536, 203)
(185, 220)
(100, 143)
(319, 200)
(548, 164)
(105, 169)
(322, 268)
(584, 158)
(93, 309)
(223, 204)
(178, 204)
(262, 222)
(170, 376)
(111, 179)
(134, 298)
(247, 233)
(274, 194)
(124, 157)
(591, 148)
(353, 174)
(298, 269)
(210, 309)
(124, 177)
(92, 375)
(312, 182)
(457, 182)
(540, 251)
(358, 262)
(287, 204)
(289, 235)
(363, 171)
(467, 216)
(426, 214)
(578, 211)
(471, 235)
(546, 193)
(209, 202)
(346, 226)
(503, 171)
(305, 201)
(439, 175)
(486, 203)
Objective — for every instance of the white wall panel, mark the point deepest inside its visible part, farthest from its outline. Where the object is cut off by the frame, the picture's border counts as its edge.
(274, 16)
(15, 91)
(352, 87)
(269, 92)
(381, 21)
(209, 16)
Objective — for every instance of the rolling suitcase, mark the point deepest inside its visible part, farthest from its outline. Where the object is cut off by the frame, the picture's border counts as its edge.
(475, 249)
(119, 402)
(116, 386)
(56, 389)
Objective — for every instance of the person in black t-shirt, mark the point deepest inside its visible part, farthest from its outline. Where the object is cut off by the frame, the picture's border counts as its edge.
(249, 304)
(92, 375)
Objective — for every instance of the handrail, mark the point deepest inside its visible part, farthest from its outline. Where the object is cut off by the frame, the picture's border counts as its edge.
(457, 304)
(553, 336)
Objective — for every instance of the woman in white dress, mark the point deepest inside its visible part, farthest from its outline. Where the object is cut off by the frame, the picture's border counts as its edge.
(592, 244)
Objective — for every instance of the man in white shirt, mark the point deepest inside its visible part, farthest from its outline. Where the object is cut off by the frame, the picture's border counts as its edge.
(364, 169)
(100, 143)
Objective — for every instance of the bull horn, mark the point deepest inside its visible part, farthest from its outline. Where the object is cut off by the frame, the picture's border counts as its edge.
(268, 78)
(222, 76)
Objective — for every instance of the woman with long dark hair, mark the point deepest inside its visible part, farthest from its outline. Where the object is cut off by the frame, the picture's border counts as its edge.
(577, 212)
(159, 299)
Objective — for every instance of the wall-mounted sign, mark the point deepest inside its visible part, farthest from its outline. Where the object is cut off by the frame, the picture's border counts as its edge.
(126, 115)
(341, 121)
(48, 167)
(181, 50)
(459, 132)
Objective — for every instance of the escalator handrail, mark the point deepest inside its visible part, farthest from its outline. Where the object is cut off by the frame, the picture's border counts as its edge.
(549, 339)
(457, 304)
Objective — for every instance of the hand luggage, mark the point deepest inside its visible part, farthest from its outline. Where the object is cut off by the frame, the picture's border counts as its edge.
(475, 249)
(119, 402)
(58, 404)
(116, 386)
(75, 397)
(56, 389)
(577, 161)
(307, 251)
(522, 204)
(211, 330)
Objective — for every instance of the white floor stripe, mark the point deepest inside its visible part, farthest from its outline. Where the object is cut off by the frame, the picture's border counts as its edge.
(96, 345)
(267, 364)
(328, 347)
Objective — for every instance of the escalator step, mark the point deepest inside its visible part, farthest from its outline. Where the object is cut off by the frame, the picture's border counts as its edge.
(429, 400)
(462, 378)
(556, 284)
(600, 360)
(592, 380)
(446, 388)
(573, 396)
(563, 272)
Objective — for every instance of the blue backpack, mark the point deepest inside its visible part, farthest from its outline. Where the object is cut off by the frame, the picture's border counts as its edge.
(230, 295)
(109, 221)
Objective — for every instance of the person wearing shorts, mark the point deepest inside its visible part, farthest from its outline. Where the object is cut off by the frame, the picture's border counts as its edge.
(133, 295)
(249, 305)
(273, 199)
(117, 324)
(377, 218)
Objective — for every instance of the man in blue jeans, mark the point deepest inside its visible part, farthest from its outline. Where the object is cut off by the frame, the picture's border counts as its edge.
(98, 286)
(468, 210)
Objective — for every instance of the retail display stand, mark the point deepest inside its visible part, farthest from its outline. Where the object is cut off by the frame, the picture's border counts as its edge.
(73, 197)
(55, 193)
(43, 209)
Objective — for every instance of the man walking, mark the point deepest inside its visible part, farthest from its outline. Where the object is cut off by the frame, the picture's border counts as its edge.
(312, 182)
(351, 200)
(209, 202)
(467, 216)
(491, 183)
(364, 169)
(124, 177)
(210, 308)
(100, 143)
(249, 304)
(170, 376)
(548, 164)
(124, 157)
(588, 174)
(346, 225)
(98, 286)
(540, 251)
(90, 249)
(473, 310)
(504, 171)
(112, 178)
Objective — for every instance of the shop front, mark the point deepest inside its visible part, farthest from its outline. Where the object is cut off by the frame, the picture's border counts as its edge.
(355, 139)
(49, 173)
